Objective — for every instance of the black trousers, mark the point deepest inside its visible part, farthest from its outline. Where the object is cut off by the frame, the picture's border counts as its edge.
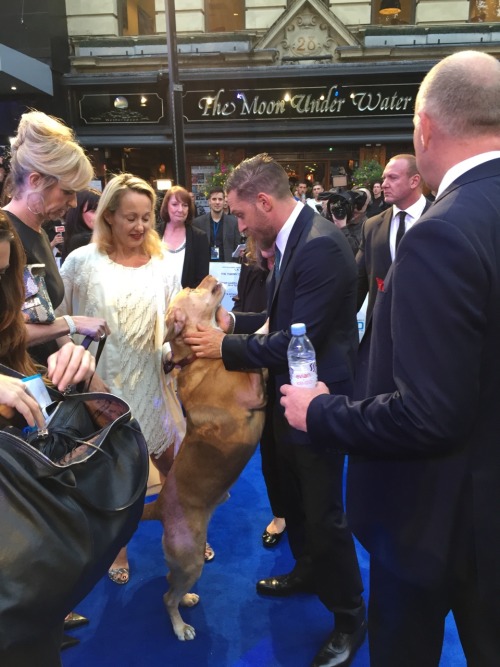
(406, 621)
(311, 488)
(270, 465)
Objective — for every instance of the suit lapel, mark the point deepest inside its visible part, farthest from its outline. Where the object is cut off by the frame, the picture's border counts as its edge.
(300, 226)
(384, 237)
(484, 170)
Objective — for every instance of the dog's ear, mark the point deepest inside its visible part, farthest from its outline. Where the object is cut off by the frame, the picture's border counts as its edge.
(174, 323)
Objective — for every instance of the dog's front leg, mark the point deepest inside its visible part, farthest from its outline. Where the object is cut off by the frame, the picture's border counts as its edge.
(185, 567)
(182, 630)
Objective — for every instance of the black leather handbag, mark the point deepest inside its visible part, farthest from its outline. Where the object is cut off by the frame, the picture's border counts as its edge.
(71, 497)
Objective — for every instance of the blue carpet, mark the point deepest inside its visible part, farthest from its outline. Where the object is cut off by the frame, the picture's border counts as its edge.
(235, 627)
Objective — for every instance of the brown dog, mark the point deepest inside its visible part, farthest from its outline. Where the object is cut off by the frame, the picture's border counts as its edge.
(225, 417)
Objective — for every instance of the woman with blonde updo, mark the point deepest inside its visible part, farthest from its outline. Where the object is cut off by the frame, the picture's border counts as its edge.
(47, 168)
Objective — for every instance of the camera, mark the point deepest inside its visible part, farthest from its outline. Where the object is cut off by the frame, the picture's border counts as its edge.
(342, 204)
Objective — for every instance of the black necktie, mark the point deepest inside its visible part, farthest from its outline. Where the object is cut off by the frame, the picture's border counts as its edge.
(277, 262)
(401, 228)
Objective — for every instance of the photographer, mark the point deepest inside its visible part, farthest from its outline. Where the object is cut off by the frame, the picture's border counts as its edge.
(347, 210)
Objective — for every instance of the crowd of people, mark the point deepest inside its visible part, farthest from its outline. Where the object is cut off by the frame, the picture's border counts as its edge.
(414, 407)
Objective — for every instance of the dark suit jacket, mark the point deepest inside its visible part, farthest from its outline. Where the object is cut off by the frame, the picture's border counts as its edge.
(196, 257)
(374, 257)
(230, 233)
(317, 286)
(425, 499)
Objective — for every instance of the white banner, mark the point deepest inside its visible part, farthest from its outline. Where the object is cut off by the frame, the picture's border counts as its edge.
(362, 318)
(227, 273)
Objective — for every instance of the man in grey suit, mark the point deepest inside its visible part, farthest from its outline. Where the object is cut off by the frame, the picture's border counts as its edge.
(423, 496)
(221, 228)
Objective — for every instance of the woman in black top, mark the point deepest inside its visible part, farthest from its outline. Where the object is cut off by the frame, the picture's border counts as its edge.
(185, 243)
(79, 221)
(47, 167)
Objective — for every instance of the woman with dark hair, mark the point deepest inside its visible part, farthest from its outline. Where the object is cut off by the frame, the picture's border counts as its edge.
(79, 221)
(12, 326)
(13, 335)
(188, 246)
(13, 398)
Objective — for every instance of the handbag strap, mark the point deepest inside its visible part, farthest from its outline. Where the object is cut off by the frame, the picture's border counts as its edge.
(100, 346)
(5, 370)
(86, 342)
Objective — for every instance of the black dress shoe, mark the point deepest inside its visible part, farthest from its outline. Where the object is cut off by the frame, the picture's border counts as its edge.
(284, 584)
(68, 642)
(271, 539)
(74, 620)
(340, 648)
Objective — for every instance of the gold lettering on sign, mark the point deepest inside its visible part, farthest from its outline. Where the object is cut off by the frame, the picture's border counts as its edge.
(270, 108)
(306, 104)
(377, 102)
(318, 102)
(213, 107)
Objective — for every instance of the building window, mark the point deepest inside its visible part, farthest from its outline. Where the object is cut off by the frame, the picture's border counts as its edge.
(136, 17)
(224, 15)
(122, 17)
(393, 12)
(481, 11)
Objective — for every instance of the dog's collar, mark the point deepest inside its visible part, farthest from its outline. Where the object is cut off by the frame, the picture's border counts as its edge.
(169, 365)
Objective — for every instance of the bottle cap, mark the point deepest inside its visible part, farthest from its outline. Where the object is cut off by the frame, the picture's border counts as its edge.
(298, 329)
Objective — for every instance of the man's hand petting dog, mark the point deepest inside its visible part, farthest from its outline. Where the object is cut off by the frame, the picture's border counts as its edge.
(206, 342)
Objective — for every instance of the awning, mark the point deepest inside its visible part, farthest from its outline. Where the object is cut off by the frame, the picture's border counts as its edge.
(143, 141)
(17, 69)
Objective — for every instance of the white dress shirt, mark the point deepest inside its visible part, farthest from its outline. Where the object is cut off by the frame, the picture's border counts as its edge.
(413, 213)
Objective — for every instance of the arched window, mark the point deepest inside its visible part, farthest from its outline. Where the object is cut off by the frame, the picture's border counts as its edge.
(224, 15)
(484, 11)
(393, 12)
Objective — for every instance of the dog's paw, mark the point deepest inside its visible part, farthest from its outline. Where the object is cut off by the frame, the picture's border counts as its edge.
(189, 600)
(185, 633)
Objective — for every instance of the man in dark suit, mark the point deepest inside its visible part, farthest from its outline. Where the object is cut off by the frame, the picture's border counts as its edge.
(221, 228)
(424, 495)
(314, 281)
(402, 186)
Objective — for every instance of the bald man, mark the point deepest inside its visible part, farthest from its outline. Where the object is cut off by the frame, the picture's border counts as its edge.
(424, 495)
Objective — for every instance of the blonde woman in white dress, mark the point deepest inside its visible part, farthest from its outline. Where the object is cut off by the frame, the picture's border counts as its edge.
(124, 277)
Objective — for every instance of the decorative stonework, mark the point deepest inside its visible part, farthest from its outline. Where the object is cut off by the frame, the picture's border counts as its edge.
(307, 35)
(305, 32)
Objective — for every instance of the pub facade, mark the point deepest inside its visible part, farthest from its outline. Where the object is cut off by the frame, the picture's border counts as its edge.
(322, 85)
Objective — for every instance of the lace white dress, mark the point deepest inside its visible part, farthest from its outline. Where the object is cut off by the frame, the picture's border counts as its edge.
(133, 301)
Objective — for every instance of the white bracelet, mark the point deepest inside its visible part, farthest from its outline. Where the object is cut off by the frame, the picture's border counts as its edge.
(71, 324)
(233, 322)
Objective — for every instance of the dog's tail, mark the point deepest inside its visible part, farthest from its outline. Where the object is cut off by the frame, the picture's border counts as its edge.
(151, 512)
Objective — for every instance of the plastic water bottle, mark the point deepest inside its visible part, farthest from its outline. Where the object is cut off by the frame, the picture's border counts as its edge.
(301, 358)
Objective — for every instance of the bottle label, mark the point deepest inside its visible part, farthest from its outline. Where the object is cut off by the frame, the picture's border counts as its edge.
(304, 374)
